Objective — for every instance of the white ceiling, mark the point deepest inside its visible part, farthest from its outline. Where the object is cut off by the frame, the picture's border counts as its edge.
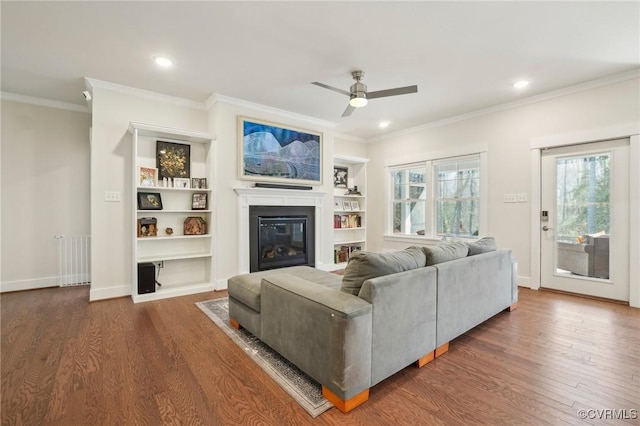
(463, 56)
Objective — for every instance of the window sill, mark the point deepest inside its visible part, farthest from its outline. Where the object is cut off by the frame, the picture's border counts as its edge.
(417, 239)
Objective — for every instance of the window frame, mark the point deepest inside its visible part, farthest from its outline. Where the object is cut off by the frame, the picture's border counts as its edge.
(432, 181)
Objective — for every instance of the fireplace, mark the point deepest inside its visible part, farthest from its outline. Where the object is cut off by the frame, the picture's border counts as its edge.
(281, 236)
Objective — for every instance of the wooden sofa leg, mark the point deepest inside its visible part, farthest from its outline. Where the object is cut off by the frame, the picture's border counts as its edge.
(234, 324)
(348, 405)
(425, 359)
(512, 307)
(441, 350)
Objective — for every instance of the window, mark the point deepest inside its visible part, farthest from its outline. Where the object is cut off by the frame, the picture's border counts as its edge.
(457, 196)
(437, 197)
(409, 200)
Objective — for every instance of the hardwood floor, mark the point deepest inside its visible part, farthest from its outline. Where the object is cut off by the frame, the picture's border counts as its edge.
(69, 362)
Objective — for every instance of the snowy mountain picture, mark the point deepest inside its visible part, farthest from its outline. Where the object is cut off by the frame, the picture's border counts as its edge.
(273, 153)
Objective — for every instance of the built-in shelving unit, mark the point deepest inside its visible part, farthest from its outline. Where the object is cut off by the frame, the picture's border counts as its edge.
(350, 208)
(184, 263)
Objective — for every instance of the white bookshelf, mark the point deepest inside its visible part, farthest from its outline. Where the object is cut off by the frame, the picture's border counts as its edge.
(349, 232)
(184, 263)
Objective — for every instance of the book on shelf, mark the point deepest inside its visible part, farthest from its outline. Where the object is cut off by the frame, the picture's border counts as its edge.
(347, 221)
(342, 255)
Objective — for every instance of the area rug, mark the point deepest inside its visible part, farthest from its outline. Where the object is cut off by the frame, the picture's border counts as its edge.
(302, 388)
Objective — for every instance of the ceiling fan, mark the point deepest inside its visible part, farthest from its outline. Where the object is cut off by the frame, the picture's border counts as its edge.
(358, 92)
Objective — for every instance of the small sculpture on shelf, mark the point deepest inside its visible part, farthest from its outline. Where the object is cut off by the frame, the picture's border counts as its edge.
(169, 231)
(353, 191)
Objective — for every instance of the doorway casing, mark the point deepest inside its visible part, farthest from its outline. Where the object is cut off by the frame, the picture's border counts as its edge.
(625, 130)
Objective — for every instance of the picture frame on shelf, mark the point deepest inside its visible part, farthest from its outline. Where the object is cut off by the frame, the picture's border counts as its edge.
(149, 201)
(346, 206)
(195, 225)
(199, 201)
(182, 183)
(173, 160)
(340, 176)
(355, 206)
(271, 152)
(147, 176)
(337, 205)
(147, 227)
(199, 183)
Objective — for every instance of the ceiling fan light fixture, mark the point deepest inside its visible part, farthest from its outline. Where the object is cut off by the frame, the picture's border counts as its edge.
(358, 101)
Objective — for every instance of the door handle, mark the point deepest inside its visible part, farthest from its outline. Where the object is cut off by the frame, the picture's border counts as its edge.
(546, 228)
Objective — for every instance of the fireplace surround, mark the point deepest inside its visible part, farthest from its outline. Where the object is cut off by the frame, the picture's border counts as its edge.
(251, 196)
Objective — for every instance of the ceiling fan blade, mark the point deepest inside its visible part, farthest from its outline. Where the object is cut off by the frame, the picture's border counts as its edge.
(347, 112)
(392, 92)
(335, 89)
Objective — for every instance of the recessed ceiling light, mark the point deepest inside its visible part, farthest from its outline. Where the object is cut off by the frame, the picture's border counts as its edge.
(521, 84)
(384, 124)
(163, 61)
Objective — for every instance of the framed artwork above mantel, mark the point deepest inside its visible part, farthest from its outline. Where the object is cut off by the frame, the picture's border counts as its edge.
(271, 152)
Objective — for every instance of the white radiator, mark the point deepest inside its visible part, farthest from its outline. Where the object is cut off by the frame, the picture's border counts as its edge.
(74, 260)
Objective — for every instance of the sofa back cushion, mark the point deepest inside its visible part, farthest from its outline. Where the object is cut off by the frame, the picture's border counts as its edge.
(366, 265)
(445, 252)
(483, 245)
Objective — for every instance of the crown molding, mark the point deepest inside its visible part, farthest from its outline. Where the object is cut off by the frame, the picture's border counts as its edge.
(221, 99)
(92, 83)
(350, 138)
(605, 81)
(6, 96)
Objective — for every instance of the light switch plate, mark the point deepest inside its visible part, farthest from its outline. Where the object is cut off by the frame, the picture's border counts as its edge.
(510, 198)
(112, 196)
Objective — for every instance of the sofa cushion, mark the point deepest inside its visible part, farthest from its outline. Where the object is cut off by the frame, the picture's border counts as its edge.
(366, 265)
(483, 245)
(445, 252)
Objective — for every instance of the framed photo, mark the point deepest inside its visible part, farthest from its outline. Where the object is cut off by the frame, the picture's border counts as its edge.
(346, 206)
(173, 160)
(195, 226)
(147, 176)
(355, 206)
(149, 201)
(199, 201)
(337, 205)
(199, 183)
(181, 183)
(270, 152)
(340, 175)
(147, 227)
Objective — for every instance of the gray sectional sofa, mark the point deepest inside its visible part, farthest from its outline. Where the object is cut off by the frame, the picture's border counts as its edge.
(389, 310)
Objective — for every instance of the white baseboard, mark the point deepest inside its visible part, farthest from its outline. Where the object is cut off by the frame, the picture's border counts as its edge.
(221, 284)
(30, 284)
(109, 292)
(525, 282)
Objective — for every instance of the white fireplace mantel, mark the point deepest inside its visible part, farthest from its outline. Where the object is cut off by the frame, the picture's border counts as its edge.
(274, 197)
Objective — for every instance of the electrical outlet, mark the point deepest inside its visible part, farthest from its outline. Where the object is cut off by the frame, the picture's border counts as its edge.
(160, 264)
(522, 197)
(112, 196)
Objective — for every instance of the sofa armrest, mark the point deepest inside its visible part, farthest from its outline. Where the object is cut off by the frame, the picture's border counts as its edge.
(404, 319)
(323, 331)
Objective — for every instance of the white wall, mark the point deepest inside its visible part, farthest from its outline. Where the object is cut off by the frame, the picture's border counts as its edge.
(111, 165)
(223, 123)
(45, 189)
(507, 135)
